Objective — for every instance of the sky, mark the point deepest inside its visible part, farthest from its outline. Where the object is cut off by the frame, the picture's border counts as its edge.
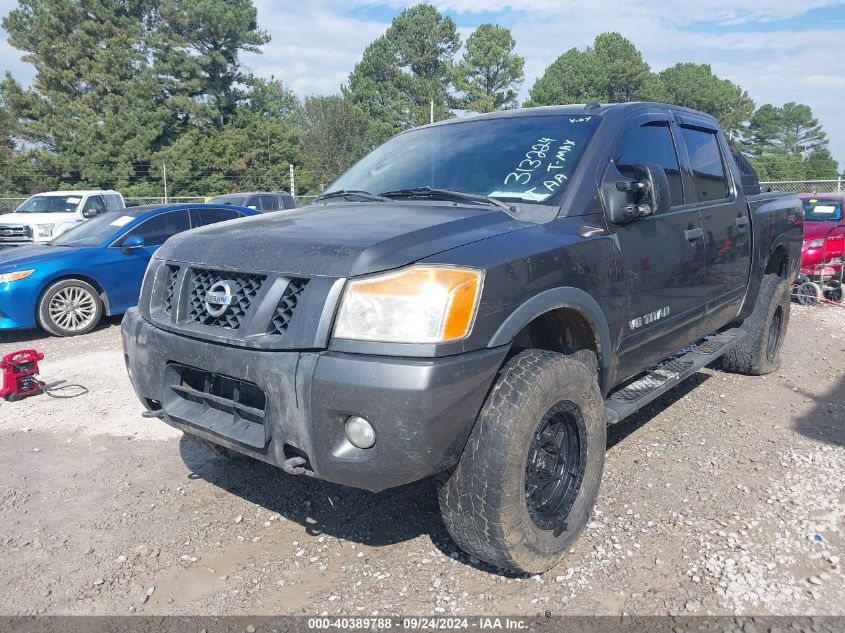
(777, 50)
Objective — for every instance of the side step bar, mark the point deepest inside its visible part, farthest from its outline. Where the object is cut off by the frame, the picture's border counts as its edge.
(668, 373)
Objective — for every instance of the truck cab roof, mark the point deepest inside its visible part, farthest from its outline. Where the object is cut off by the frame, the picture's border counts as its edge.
(611, 110)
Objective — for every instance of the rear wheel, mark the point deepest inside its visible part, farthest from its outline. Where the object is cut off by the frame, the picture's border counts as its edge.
(528, 478)
(70, 307)
(759, 352)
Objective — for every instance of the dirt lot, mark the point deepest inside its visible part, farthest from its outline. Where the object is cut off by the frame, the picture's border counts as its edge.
(726, 496)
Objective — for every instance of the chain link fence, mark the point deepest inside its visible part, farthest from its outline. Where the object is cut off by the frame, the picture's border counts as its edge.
(807, 186)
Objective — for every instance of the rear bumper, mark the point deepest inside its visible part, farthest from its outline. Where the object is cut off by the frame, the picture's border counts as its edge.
(421, 409)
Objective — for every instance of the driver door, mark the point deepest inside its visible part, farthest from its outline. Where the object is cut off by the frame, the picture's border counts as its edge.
(662, 254)
(94, 206)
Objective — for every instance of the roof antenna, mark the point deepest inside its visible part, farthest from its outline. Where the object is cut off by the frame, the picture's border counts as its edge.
(592, 105)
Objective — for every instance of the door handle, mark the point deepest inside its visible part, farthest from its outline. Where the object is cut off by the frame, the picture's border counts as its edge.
(741, 221)
(694, 234)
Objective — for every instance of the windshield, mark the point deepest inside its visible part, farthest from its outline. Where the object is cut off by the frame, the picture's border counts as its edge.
(526, 159)
(94, 232)
(229, 199)
(50, 204)
(822, 210)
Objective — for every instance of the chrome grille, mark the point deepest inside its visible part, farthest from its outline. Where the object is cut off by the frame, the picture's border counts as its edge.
(16, 232)
(245, 287)
(287, 304)
(170, 289)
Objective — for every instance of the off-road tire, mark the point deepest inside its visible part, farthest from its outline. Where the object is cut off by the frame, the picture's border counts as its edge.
(220, 451)
(758, 353)
(92, 302)
(483, 498)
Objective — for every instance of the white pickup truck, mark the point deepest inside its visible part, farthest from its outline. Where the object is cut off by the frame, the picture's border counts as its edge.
(46, 215)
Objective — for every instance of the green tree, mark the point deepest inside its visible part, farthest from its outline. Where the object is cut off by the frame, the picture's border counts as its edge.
(610, 71)
(376, 86)
(271, 98)
(695, 86)
(489, 71)
(408, 68)
(625, 75)
(779, 167)
(791, 129)
(574, 77)
(251, 153)
(95, 112)
(820, 165)
(335, 134)
(13, 168)
(199, 46)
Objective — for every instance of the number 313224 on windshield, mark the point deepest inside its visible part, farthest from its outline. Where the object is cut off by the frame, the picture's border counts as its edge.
(542, 166)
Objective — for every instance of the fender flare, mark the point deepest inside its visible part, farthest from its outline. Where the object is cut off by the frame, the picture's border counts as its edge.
(565, 297)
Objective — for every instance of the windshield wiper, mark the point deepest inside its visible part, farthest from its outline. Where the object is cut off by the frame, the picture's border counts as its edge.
(449, 194)
(343, 193)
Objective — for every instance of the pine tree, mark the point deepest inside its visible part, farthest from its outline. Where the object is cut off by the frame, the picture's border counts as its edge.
(489, 72)
(695, 86)
(406, 70)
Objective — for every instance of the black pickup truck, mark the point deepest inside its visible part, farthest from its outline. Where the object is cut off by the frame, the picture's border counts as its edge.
(475, 300)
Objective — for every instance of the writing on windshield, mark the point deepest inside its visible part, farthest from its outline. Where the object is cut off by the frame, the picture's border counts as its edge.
(527, 159)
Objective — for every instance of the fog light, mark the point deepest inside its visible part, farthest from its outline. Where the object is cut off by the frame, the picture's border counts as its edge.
(360, 432)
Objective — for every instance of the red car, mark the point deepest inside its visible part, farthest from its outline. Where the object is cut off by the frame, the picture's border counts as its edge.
(822, 214)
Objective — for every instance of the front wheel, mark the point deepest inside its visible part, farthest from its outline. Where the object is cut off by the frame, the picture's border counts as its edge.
(70, 307)
(526, 483)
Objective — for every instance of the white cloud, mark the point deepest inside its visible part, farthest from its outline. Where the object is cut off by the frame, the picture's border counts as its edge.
(317, 43)
(312, 49)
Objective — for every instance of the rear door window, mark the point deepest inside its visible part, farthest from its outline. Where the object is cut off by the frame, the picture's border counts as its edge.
(204, 217)
(269, 203)
(708, 166)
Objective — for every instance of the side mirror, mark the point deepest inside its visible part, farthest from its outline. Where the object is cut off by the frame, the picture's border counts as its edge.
(131, 243)
(91, 213)
(645, 194)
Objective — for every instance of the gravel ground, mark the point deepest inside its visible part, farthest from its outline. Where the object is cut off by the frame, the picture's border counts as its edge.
(726, 496)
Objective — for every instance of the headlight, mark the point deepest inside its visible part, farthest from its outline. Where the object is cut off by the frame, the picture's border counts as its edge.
(7, 278)
(816, 243)
(44, 230)
(420, 304)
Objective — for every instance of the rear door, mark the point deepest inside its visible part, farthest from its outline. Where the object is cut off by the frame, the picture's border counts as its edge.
(125, 271)
(269, 203)
(725, 218)
(662, 254)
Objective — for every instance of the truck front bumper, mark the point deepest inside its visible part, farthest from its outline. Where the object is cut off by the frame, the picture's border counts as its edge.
(274, 405)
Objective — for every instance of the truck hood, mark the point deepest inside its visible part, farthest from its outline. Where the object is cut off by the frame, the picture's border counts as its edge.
(37, 218)
(24, 257)
(339, 239)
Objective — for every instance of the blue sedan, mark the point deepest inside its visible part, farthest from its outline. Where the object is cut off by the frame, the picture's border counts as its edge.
(96, 268)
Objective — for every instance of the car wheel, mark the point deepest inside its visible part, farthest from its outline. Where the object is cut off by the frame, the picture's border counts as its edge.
(69, 308)
(808, 293)
(759, 352)
(529, 475)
